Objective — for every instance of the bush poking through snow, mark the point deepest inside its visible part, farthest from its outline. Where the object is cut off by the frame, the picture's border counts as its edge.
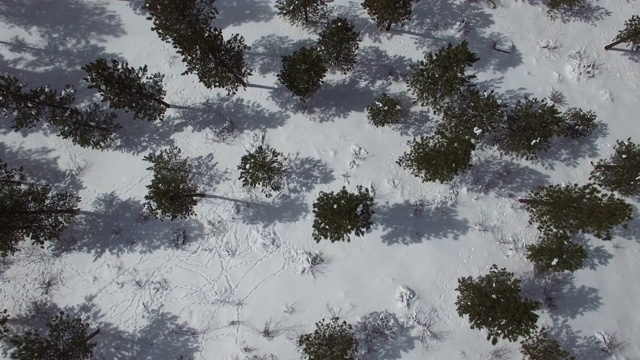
(338, 44)
(621, 172)
(303, 72)
(312, 262)
(264, 168)
(425, 321)
(573, 209)
(387, 13)
(333, 340)
(493, 302)
(299, 12)
(578, 123)
(557, 252)
(339, 214)
(373, 330)
(385, 110)
(405, 295)
(610, 343)
(542, 346)
(556, 97)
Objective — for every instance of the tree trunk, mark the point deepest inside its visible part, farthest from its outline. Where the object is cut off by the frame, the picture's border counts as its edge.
(388, 28)
(195, 195)
(620, 41)
(92, 335)
(160, 101)
(607, 166)
(527, 201)
(306, 13)
(11, 182)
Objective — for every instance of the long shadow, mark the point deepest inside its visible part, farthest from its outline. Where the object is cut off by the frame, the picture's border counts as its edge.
(404, 225)
(238, 12)
(571, 151)
(376, 68)
(590, 14)
(381, 336)
(581, 346)
(632, 231)
(598, 254)
(305, 173)
(118, 226)
(284, 208)
(266, 52)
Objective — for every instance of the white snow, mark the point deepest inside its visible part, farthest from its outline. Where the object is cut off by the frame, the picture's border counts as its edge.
(241, 262)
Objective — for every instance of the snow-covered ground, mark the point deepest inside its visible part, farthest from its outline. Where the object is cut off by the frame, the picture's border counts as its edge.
(245, 263)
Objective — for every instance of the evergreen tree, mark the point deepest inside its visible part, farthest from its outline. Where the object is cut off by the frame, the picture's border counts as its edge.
(387, 13)
(338, 44)
(472, 113)
(67, 339)
(578, 123)
(92, 127)
(302, 11)
(438, 157)
(493, 302)
(556, 252)
(4, 330)
(621, 172)
(385, 110)
(574, 208)
(302, 72)
(564, 8)
(29, 210)
(630, 34)
(529, 127)
(125, 87)
(542, 347)
(332, 340)
(339, 214)
(172, 192)
(185, 24)
(263, 167)
(440, 77)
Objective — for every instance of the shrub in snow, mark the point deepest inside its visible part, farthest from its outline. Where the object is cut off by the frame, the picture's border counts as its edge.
(375, 330)
(556, 252)
(302, 11)
(630, 34)
(125, 87)
(425, 321)
(405, 295)
(302, 72)
(493, 303)
(438, 78)
(338, 44)
(621, 172)
(438, 157)
(472, 113)
(529, 127)
(578, 123)
(542, 346)
(339, 214)
(564, 8)
(573, 208)
(262, 167)
(172, 192)
(67, 339)
(30, 210)
(312, 262)
(387, 13)
(385, 110)
(333, 340)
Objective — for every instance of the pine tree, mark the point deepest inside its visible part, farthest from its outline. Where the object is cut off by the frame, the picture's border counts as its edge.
(339, 214)
(172, 192)
(387, 13)
(263, 167)
(302, 72)
(578, 123)
(621, 172)
(332, 340)
(438, 157)
(493, 302)
(4, 330)
(557, 252)
(30, 210)
(186, 25)
(385, 110)
(67, 339)
(473, 113)
(125, 87)
(302, 11)
(542, 347)
(338, 44)
(440, 77)
(529, 127)
(630, 34)
(91, 127)
(574, 208)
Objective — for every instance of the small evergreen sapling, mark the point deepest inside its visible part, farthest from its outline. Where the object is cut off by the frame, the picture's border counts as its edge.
(439, 78)
(574, 208)
(630, 34)
(67, 339)
(542, 346)
(339, 214)
(438, 157)
(125, 87)
(387, 13)
(621, 172)
(557, 252)
(473, 113)
(493, 302)
(302, 11)
(332, 340)
(338, 44)
(529, 127)
(578, 123)
(263, 167)
(302, 72)
(385, 110)
(172, 192)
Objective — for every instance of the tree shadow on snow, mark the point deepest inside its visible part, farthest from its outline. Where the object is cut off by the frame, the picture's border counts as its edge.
(376, 68)
(583, 347)
(381, 336)
(284, 208)
(632, 232)
(238, 12)
(590, 14)
(265, 55)
(598, 254)
(571, 151)
(405, 223)
(304, 173)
